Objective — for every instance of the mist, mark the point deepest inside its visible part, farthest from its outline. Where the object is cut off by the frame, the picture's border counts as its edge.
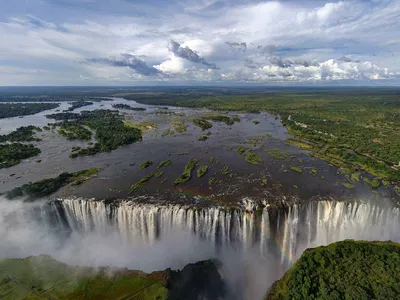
(247, 274)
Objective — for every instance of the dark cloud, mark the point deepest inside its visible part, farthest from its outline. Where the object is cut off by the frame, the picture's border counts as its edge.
(238, 46)
(251, 64)
(127, 60)
(278, 61)
(267, 49)
(305, 63)
(345, 59)
(188, 54)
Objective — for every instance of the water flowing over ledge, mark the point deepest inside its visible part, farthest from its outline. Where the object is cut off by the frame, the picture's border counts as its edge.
(285, 232)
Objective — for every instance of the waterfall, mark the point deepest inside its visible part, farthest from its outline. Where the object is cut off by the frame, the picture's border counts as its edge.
(285, 231)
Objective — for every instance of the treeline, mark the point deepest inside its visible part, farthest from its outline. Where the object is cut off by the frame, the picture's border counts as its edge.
(9, 110)
(46, 187)
(22, 134)
(126, 106)
(78, 104)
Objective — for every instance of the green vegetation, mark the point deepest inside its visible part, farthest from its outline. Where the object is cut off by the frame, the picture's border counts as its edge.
(132, 164)
(202, 123)
(241, 150)
(264, 181)
(348, 185)
(225, 170)
(158, 174)
(296, 169)
(343, 270)
(212, 180)
(314, 171)
(164, 163)
(73, 131)
(179, 125)
(111, 131)
(277, 153)
(201, 171)
(254, 159)
(43, 278)
(373, 183)
(300, 144)
(256, 122)
(225, 119)
(46, 187)
(9, 110)
(355, 176)
(213, 160)
(78, 104)
(146, 164)
(22, 134)
(202, 138)
(356, 127)
(144, 125)
(167, 132)
(140, 183)
(128, 107)
(187, 173)
(12, 154)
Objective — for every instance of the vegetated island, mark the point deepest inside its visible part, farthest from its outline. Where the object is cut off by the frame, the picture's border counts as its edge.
(12, 154)
(42, 277)
(46, 187)
(78, 104)
(9, 110)
(22, 134)
(350, 129)
(128, 107)
(111, 132)
(343, 270)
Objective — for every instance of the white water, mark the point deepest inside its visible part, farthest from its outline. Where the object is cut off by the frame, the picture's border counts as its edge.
(283, 232)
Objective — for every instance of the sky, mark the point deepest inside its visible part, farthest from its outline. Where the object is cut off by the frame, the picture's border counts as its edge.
(134, 42)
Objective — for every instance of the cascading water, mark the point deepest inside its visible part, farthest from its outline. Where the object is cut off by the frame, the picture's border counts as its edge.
(285, 231)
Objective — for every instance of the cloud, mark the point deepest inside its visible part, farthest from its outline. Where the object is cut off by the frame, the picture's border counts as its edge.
(238, 46)
(127, 60)
(188, 54)
(345, 59)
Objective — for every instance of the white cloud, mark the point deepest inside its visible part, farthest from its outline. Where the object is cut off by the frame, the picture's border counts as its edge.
(287, 41)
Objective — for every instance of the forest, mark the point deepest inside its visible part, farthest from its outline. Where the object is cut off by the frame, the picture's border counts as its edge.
(110, 130)
(9, 110)
(343, 270)
(12, 154)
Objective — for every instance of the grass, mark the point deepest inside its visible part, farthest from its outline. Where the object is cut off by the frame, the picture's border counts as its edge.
(241, 150)
(213, 160)
(264, 181)
(225, 170)
(158, 174)
(140, 183)
(187, 173)
(300, 144)
(201, 171)
(374, 183)
(256, 122)
(164, 163)
(146, 164)
(355, 176)
(314, 171)
(202, 138)
(254, 159)
(212, 180)
(296, 169)
(348, 185)
(277, 153)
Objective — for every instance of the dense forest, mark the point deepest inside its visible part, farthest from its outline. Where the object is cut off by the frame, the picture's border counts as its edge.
(12, 154)
(110, 130)
(343, 270)
(78, 104)
(9, 110)
(22, 134)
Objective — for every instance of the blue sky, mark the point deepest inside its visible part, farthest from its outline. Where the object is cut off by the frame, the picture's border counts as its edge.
(131, 42)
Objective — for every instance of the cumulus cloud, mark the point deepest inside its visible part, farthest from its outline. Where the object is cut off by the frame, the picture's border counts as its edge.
(127, 60)
(189, 54)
